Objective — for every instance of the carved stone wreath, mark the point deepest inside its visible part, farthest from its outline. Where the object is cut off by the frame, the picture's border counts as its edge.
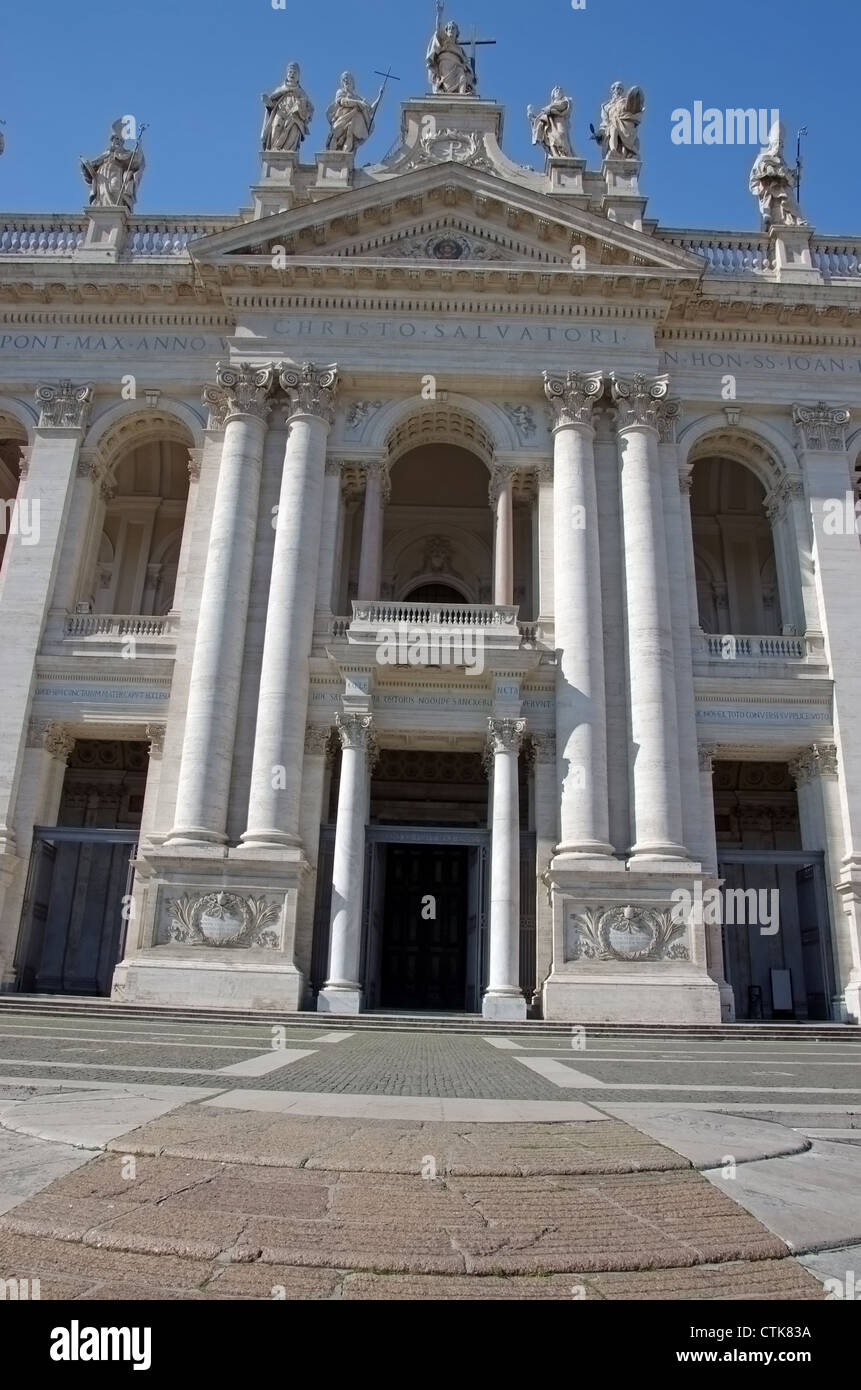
(625, 933)
(225, 920)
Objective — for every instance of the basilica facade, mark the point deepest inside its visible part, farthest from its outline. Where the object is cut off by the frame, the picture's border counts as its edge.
(432, 588)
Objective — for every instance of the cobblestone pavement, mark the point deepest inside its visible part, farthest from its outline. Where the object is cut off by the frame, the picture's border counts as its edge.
(231, 1161)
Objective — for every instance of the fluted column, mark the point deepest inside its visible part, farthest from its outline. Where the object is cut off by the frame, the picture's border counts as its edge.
(342, 993)
(276, 776)
(502, 502)
(378, 490)
(504, 998)
(686, 481)
(657, 816)
(581, 734)
(239, 400)
(544, 505)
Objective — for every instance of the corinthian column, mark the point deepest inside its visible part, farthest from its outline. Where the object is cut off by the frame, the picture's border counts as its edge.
(502, 502)
(342, 993)
(504, 998)
(581, 734)
(276, 776)
(240, 401)
(378, 490)
(657, 816)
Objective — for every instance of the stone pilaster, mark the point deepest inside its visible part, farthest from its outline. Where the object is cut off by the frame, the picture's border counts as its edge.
(239, 403)
(332, 506)
(581, 736)
(706, 850)
(501, 494)
(343, 992)
(504, 998)
(276, 777)
(38, 527)
(378, 490)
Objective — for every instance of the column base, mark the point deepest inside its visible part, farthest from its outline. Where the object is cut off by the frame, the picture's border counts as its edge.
(601, 860)
(340, 999)
(221, 981)
(610, 993)
(504, 1006)
(264, 841)
(852, 1002)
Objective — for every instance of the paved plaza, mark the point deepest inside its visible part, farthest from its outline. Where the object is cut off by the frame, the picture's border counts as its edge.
(146, 1156)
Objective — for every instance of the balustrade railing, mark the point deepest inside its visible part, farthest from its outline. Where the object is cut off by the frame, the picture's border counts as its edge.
(733, 647)
(118, 626)
(41, 236)
(434, 615)
(60, 235)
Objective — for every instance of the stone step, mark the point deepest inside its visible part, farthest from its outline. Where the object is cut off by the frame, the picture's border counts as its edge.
(59, 1006)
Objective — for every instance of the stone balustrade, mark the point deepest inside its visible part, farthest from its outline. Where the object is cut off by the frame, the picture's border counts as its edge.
(118, 626)
(62, 235)
(42, 236)
(730, 647)
(434, 615)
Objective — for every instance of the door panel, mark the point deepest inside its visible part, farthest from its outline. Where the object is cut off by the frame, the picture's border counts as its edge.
(425, 927)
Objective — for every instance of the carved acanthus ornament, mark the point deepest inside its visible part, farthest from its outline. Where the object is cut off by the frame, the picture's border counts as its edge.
(225, 920)
(310, 390)
(572, 397)
(155, 736)
(821, 427)
(379, 469)
(668, 419)
(63, 405)
(640, 400)
(318, 740)
(505, 735)
(544, 746)
(56, 738)
(501, 479)
(357, 731)
(242, 390)
(786, 490)
(707, 757)
(820, 760)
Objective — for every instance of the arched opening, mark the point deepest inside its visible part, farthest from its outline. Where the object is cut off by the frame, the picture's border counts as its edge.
(438, 534)
(135, 568)
(12, 443)
(734, 553)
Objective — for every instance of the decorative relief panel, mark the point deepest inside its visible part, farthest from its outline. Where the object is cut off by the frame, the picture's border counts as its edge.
(629, 934)
(223, 920)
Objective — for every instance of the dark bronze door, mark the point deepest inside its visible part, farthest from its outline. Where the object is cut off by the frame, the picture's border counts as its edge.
(425, 927)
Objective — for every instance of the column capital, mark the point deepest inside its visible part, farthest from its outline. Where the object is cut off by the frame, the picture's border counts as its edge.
(686, 479)
(639, 400)
(318, 740)
(242, 390)
(707, 754)
(379, 469)
(820, 760)
(505, 735)
(501, 480)
(357, 731)
(821, 427)
(669, 413)
(56, 738)
(544, 748)
(310, 390)
(155, 737)
(63, 405)
(572, 396)
(788, 487)
(195, 460)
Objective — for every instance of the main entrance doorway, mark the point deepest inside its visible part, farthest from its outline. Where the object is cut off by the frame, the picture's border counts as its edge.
(426, 906)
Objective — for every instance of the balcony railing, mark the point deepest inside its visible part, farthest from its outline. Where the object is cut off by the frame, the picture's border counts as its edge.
(59, 234)
(731, 647)
(433, 615)
(118, 627)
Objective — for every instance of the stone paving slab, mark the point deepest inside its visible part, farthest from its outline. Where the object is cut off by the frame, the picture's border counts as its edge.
(202, 1133)
(493, 1225)
(811, 1200)
(707, 1137)
(88, 1116)
(28, 1165)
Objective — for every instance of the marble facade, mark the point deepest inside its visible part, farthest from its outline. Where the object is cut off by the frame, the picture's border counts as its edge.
(294, 358)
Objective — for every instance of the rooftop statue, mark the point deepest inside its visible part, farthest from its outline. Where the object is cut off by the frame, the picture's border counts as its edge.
(450, 71)
(551, 126)
(618, 134)
(350, 117)
(114, 177)
(289, 112)
(771, 181)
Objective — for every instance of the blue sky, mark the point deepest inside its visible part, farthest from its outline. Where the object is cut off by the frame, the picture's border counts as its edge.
(195, 69)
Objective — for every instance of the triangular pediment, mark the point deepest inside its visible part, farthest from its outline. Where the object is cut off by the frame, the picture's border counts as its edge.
(445, 216)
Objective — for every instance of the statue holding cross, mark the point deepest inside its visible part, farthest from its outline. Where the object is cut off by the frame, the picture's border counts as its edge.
(450, 69)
